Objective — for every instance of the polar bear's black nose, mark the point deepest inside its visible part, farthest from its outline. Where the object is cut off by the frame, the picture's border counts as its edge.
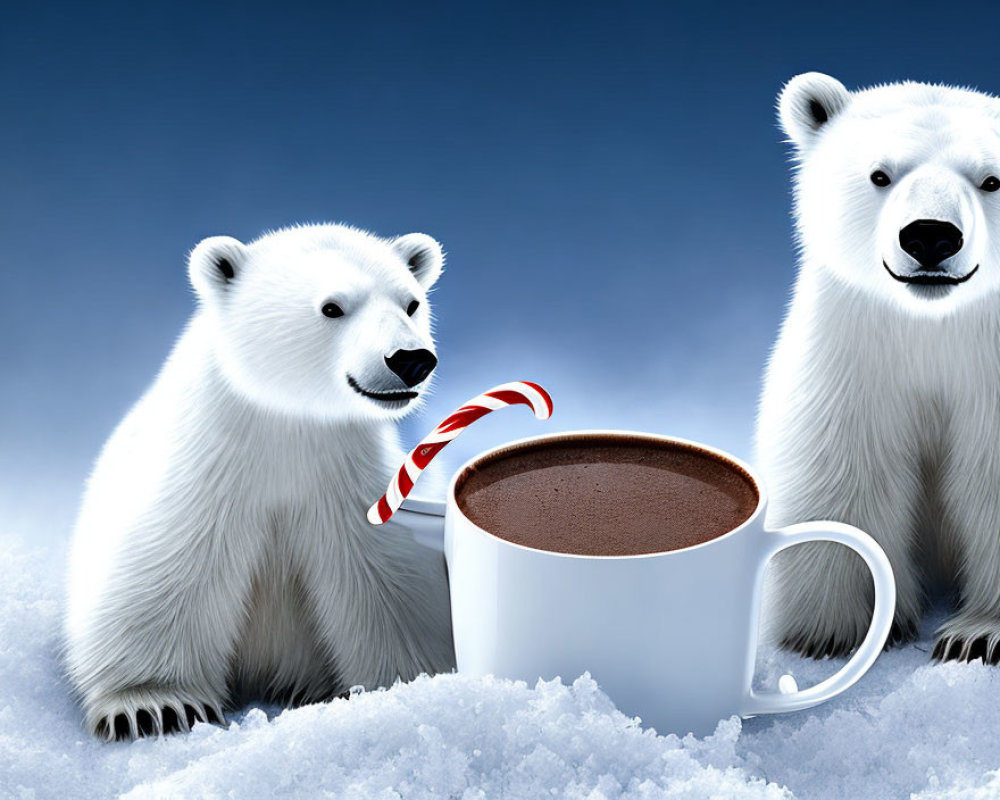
(930, 241)
(413, 366)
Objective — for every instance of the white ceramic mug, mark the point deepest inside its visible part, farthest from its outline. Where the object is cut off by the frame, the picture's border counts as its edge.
(670, 636)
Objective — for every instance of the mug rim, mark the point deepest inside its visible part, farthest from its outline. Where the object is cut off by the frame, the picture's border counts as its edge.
(451, 500)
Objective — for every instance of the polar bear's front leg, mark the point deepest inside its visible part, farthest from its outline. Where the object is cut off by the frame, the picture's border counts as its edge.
(382, 606)
(149, 639)
(822, 597)
(842, 457)
(971, 531)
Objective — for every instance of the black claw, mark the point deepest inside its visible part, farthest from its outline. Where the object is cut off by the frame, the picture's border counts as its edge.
(901, 633)
(977, 650)
(828, 648)
(952, 650)
(144, 722)
(102, 729)
(122, 732)
(170, 722)
(192, 715)
(212, 716)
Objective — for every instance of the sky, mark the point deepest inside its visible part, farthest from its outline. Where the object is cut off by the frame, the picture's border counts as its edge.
(607, 179)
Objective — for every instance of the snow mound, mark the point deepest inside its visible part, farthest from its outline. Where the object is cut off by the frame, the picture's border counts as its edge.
(910, 728)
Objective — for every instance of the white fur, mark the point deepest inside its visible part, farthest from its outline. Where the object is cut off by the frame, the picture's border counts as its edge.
(222, 549)
(881, 402)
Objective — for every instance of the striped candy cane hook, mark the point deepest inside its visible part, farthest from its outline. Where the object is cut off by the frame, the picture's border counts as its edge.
(506, 394)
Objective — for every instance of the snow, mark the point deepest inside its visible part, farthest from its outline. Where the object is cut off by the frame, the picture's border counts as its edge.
(909, 728)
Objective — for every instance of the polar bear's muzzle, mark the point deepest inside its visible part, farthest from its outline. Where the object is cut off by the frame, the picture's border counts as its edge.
(412, 367)
(930, 243)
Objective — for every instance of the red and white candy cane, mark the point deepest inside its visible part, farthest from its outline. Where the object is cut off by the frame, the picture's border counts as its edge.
(506, 394)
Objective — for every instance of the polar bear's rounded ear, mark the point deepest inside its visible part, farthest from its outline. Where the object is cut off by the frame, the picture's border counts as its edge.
(807, 103)
(422, 256)
(214, 264)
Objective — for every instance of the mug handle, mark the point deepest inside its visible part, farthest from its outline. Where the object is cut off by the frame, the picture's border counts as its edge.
(882, 615)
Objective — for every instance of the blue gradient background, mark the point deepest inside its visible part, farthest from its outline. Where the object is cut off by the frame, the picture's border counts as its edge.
(608, 182)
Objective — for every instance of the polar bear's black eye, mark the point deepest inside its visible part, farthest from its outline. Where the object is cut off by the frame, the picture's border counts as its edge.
(991, 184)
(411, 309)
(332, 310)
(879, 178)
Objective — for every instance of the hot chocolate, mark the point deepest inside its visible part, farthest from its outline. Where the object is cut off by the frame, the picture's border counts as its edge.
(606, 495)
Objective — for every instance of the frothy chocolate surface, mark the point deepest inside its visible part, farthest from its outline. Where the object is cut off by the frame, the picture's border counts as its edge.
(606, 495)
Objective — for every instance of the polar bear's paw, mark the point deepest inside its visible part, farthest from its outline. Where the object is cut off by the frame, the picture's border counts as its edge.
(814, 632)
(150, 711)
(823, 641)
(809, 645)
(969, 637)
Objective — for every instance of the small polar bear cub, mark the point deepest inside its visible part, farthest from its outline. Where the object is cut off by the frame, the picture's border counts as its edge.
(222, 550)
(881, 400)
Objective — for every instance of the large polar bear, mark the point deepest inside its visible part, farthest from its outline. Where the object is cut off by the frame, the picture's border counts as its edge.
(881, 402)
(222, 550)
